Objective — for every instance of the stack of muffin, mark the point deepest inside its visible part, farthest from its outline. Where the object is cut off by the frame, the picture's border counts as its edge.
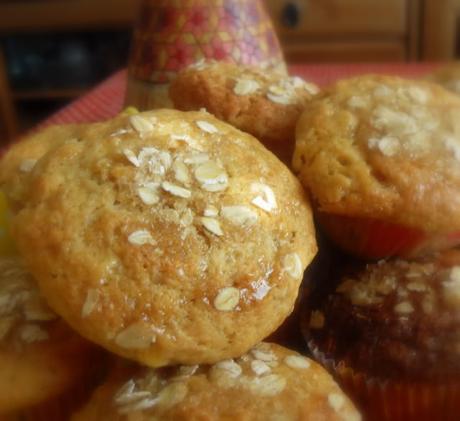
(380, 158)
(177, 243)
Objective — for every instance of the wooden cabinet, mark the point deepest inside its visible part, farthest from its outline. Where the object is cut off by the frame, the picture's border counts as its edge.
(8, 122)
(441, 35)
(50, 17)
(310, 31)
(346, 30)
(67, 15)
(340, 17)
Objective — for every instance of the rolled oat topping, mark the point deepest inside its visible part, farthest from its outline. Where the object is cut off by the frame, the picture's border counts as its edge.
(246, 87)
(227, 299)
(24, 314)
(207, 127)
(141, 237)
(297, 362)
(138, 335)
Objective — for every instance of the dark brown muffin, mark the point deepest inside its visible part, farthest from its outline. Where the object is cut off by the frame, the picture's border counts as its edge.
(391, 331)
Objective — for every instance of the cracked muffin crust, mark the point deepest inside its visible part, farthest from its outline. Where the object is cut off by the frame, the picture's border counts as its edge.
(166, 237)
(269, 383)
(382, 150)
(40, 357)
(263, 103)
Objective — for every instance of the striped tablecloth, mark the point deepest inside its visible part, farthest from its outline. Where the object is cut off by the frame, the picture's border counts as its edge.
(106, 99)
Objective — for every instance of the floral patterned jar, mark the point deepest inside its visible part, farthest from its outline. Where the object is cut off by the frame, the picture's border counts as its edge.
(172, 34)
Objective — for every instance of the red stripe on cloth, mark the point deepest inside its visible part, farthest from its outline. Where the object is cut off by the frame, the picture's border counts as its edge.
(106, 100)
(324, 75)
(102, 102)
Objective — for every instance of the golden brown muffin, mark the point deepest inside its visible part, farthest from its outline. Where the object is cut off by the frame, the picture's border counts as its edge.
(269, 383)
(448, 76)
(259, 102)
(392, 332)
(20, 158)
(380, 156)
(41, 359)
(166, 237)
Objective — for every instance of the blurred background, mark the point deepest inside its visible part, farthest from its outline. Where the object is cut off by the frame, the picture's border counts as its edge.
(52, 51)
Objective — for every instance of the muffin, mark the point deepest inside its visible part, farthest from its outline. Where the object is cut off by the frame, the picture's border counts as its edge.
(391, 334)
(45, 368)
(268, 383)
(380, 156)
(260, 102)
(316, 277)
(20, 158)
(448, 76)
(166, 237)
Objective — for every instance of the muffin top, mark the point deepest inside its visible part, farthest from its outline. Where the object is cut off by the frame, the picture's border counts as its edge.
(263, 103)
(385, 148)
(40, 356)
(394, 319)
(166, 237)
(20, 158)
(447, 76)
(268, 383)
